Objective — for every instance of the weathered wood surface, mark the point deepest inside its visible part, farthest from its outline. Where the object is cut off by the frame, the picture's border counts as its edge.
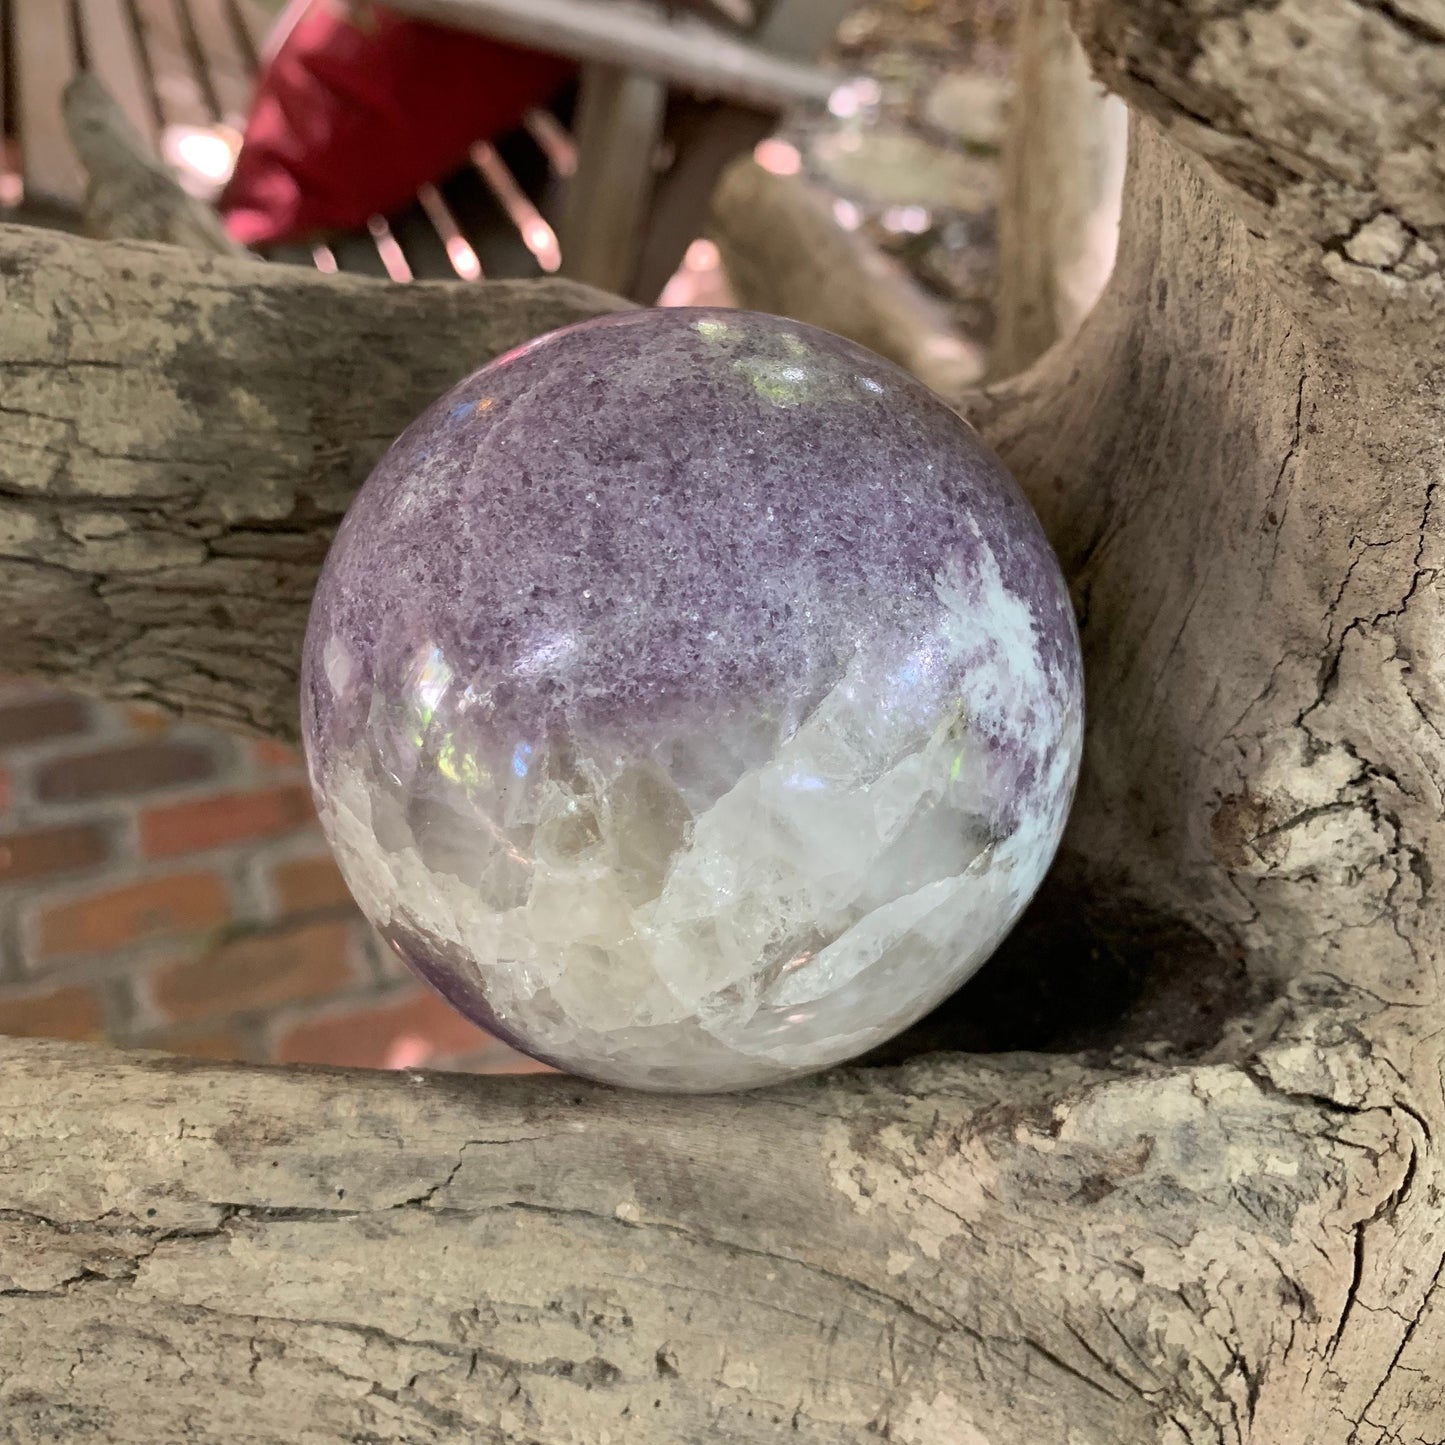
(179, 437)
(784, 252)
(937, 1255)
(1237, 459)
(131, 194)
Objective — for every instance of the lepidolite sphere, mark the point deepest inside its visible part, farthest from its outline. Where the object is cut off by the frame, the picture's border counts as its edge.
(692, 698)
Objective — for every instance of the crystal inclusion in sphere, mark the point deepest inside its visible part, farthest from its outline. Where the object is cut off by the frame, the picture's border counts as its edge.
(692, 698)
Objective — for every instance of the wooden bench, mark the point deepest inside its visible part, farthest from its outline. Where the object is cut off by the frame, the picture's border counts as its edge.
(664, 101)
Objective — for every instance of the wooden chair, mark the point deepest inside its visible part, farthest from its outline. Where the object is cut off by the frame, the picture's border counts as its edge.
(167, 65)
(664, 101)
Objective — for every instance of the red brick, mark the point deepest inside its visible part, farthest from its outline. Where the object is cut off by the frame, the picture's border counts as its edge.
(179, 828)
(60, 1013)
(256, 972)
(400, 1033)
(276, 756)
(304, 885)
(38, 719)
(222, 1045)
(47, 851)
(155, 908)
(123, 772)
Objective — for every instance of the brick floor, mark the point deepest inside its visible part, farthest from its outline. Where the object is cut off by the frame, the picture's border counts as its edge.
(166, 886)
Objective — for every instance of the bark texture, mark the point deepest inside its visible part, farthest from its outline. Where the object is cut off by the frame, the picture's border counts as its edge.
(179, 436)
(784, 252)
(131, 193)
(1237, 459)
(959, 1251)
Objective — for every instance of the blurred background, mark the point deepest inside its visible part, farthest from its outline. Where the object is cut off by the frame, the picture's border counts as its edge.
(163, 885)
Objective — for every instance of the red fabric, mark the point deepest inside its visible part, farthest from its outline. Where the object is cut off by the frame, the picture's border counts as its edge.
(350, 117)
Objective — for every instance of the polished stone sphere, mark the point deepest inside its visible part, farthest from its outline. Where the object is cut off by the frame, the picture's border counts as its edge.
(692, 698)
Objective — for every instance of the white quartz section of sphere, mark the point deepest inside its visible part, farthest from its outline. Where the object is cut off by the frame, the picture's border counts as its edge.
(753, 902)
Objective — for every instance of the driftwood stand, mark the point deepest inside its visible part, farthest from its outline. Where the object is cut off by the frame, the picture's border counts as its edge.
(1238, 460)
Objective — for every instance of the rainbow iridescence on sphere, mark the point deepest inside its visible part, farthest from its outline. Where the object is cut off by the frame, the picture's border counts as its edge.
(692, 698)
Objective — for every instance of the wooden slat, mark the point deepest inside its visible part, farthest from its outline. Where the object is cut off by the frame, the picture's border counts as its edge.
(739, 14)
(683, 52)
(229, 69)
(252, 26)
(44, 62)
(357, 254)
(486, 227)
(389, 249)
(460, 251)
(619, 120)
(185, 29)
(537, 235)
(113, 54)
(553, 139)
(422, 245)
(709, 135)
(178, 87)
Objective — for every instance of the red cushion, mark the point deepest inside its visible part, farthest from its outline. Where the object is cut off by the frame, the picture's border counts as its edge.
(350, 117)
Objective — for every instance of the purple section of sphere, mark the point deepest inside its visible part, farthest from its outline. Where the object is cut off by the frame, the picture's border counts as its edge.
(651, 519)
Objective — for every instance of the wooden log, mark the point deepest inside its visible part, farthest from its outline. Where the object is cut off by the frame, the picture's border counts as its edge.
(784, 252)
(1237, 459)
(279, 388)
(131, 194)
(960, 1251)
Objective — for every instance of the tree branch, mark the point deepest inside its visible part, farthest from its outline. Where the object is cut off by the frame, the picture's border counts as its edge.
(1320, 120)
(181, 436)
(131, 194)
(784, 252)
(1021, 1250)
(1238, 459)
